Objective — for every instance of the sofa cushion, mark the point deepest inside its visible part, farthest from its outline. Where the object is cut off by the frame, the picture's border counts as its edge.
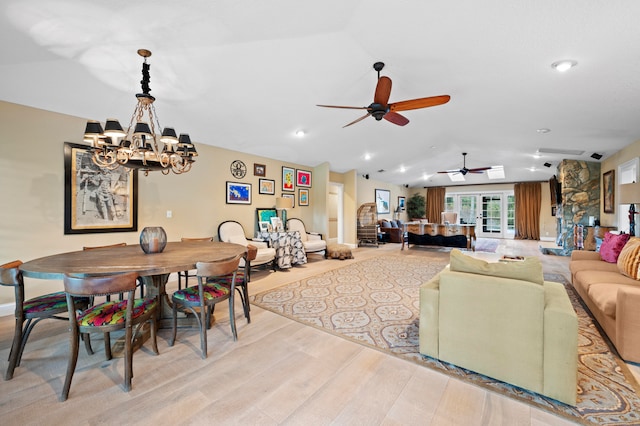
(393, 224)
(629, 259)
(385, 224)
(612, 246)
(604, 296)
(530, 269)
(585, 279)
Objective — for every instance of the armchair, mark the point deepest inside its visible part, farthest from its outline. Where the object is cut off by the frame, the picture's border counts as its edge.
(504, 321)
(311, 241)
(231, 231)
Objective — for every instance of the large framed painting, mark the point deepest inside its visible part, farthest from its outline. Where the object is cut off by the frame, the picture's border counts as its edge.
(608, 185)
(288, 176)
(97, 199)
(238, 193)
(382, 201)
(303, 178)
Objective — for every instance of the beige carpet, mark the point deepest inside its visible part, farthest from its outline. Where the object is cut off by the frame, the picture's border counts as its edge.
(375, 302)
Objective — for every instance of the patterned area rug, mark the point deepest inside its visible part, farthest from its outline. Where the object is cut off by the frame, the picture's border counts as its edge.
(375, 302)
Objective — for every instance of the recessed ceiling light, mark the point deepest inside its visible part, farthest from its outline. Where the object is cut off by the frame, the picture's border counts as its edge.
(300, 133)
(402, 169)
(564, 65)
(367, 156)
(543, 130)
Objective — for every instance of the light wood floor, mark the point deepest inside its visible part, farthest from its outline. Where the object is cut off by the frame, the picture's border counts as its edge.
(278, 372)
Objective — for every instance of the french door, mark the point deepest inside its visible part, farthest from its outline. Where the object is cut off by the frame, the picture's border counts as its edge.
(491, 213)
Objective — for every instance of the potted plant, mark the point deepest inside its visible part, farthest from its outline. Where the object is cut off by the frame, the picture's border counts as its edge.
(416, 206)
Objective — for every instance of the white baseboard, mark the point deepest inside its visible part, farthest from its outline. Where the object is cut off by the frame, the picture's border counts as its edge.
(7, 309)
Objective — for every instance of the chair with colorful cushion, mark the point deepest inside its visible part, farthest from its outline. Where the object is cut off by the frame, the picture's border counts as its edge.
(29, 312)
(202, 300)
(186, 274)
(107, 317)
(242, 283)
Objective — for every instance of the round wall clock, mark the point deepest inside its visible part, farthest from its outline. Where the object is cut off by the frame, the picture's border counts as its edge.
(238, 169)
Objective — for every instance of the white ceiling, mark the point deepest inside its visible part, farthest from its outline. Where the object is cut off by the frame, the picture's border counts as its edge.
(245, 75)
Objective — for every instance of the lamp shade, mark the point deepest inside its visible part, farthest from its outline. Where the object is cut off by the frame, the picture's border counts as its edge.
(630, 193)
(169, 136)
(113, 129)
(283, 203)
(94, 128)
(142, 128)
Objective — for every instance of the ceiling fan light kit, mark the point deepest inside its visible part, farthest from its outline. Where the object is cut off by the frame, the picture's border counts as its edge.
(564, 65)
(381, 108)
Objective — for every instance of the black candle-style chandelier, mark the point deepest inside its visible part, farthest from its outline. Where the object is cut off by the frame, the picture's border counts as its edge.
(139, 147)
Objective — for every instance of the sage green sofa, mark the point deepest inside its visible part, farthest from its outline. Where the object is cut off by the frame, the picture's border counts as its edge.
(504, 321)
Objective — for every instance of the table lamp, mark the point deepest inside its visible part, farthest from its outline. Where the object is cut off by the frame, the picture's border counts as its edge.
(630, 194)
(283, 204)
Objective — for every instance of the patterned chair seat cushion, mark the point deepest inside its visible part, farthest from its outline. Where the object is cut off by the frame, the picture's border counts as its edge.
(211, 291)
(226, 279)
(110, 313)
(47, 302)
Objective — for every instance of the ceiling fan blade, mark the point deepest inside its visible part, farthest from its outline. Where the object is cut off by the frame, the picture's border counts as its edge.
(450, 171)
(355, 121)
(344, 107)
(383, 91)
(478, 169)
(419, 103)
(396, 118)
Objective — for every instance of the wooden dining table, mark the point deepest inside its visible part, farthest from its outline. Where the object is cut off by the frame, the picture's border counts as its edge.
(154, 269)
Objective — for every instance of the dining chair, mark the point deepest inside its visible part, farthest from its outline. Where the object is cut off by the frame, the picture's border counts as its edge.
(241, 280)
(120, 296)
(29, 312)
(107, 317)
(231, 231)
(201, 300)
(186, 274)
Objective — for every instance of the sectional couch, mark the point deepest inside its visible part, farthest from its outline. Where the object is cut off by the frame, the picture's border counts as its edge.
(608, 283)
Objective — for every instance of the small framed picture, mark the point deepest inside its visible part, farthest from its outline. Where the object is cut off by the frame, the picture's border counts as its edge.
(382, 201)
(277, 224)
(402, 203)
(303, 197)
(265, 226)
(238, 193)
(303, 178)
(293, 199)
(266, 186)
(288, 176)
(259, 170)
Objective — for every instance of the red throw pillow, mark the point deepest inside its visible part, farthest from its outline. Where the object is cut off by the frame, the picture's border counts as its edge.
(612, 246)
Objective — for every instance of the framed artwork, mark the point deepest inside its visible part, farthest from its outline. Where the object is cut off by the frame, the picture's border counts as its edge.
(402, 203)
(265, 214)
(238, 193)
(303, 197)
(265, 226)
(554, 210)
(608, 185)
(293, 199)
(97, 199)
(276, 224)
(266, 186)
(382, 201)
(303, 178)
(259, 170)
(287, 178)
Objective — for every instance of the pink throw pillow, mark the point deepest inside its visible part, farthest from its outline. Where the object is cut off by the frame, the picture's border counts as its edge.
(612, 246)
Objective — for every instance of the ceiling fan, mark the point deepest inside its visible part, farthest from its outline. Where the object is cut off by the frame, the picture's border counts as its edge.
(464, 170)
(380, 108)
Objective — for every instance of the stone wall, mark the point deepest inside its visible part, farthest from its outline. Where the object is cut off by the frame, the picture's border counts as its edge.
(580, 182)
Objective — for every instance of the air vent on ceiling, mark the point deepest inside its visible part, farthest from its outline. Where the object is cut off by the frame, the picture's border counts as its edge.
(560, 151)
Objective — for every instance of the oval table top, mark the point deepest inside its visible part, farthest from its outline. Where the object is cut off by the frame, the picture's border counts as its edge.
(177, 256)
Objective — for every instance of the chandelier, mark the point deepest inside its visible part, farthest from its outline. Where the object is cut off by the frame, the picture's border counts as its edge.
(140, 147)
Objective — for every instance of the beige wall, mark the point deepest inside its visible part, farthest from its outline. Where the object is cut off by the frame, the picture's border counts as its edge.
(611, 163)
(32, 182)
(366, 194)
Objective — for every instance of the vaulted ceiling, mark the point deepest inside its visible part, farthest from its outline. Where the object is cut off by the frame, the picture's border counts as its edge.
(247, 75)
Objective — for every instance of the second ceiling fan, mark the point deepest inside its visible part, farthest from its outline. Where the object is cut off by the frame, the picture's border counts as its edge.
(464, 170)
(381, 108)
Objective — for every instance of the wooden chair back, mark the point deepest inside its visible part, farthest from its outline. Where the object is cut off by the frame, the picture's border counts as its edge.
(222, 267)
(100, 285)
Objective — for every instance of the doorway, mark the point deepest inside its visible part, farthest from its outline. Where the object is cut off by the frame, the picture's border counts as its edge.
(336, 213)
(492, 213)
